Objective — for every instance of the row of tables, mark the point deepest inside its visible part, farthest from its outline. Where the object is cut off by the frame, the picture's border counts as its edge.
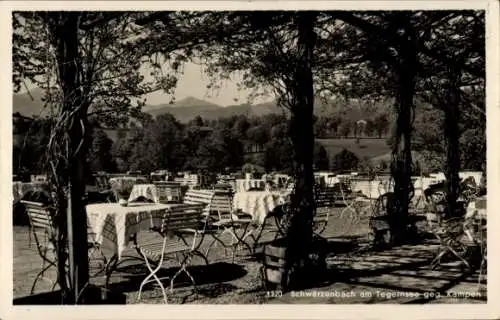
(255, 203)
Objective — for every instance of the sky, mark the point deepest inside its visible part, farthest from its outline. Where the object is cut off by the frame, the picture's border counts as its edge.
(193, 83)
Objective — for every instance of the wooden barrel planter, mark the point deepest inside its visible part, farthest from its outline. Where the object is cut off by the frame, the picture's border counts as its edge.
(274, 275)
(381, 232)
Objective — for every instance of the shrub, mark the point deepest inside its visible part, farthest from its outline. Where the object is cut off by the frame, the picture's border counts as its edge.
(345, 160)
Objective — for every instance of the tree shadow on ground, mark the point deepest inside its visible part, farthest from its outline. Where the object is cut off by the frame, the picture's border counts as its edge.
(405, 261)
(210, 279)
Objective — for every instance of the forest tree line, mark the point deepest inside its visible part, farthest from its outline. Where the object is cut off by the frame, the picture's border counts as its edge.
(163, 143)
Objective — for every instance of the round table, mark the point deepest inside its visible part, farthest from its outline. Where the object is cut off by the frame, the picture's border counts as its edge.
(477, 208)
(147, 191)
(372, 189)
(116, 223)
(21, 189)
(257, 203)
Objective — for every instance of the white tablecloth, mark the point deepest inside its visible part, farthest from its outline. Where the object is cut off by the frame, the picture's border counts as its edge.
(243, 185)
(257, 203)
(20, 189)
(477, 208)
(147, 191)
(114, 223)
(372, 189)
(475, 174)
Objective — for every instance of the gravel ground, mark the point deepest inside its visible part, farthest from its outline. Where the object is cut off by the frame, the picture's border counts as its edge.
(369, 277)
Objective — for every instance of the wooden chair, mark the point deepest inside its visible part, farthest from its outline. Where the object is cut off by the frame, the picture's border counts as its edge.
(104, 191)
(454, 241)
(179, 223)
(168, 192)
(42, 228)
(271, 228)
(325, 200)
(222, 216)
(348, 200)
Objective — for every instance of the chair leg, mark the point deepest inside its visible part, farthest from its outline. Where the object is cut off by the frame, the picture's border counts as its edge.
(437, 260)
(40, 275)
(152, 275)
(109, 268)
(183, 268)
(199, 254)
(211, 244)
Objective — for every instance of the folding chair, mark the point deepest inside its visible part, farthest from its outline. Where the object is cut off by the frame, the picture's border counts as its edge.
(452, 241)
(42, 229)
(324, 201)
(222, 217)
(349, 202)
(435, 208)
(178, 223)
(270, 226)
(105, 193)
(168, 192)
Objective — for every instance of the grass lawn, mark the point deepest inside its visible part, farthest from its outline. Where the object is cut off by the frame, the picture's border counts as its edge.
(352, 267)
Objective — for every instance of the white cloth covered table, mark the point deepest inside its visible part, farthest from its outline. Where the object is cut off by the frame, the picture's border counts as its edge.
(243, 185)
(115, 223)
(257, 203)
(147, 191)
(20, 189)
(477, 175)
(477, 208)
(372, 189)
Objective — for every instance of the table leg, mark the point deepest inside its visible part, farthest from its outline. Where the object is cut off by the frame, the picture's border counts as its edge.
(109, 268)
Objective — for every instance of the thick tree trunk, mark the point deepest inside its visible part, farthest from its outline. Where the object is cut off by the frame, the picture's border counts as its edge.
(401, 152)
(66, 37)
(452, 136)
(299, 233)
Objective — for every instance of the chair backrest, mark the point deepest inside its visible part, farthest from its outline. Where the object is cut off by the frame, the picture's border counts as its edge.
(194, 196)
(168, 192)
(41, 223)
(221, 204)
(183, 216)
(102, 182)
(325, 197)
(38, 215)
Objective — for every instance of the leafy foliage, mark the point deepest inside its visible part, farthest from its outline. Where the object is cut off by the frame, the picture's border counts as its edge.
(345, 160)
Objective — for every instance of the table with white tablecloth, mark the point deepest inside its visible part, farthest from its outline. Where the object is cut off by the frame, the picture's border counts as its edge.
(257, 203)
(21, 189)
(477, 208)
(147, 191)
(372, 189)
(243, 185)
(123, 186)
(115, 224)
(150, 191)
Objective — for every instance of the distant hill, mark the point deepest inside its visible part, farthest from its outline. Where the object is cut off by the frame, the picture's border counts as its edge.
(188, 108)
(184, 110)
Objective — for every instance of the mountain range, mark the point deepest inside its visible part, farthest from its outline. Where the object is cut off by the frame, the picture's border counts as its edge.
(31, 104)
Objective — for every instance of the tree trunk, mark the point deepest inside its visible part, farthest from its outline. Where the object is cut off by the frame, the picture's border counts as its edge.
(299, 233)
(401, 152)
(66, 37)
(452, 136)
